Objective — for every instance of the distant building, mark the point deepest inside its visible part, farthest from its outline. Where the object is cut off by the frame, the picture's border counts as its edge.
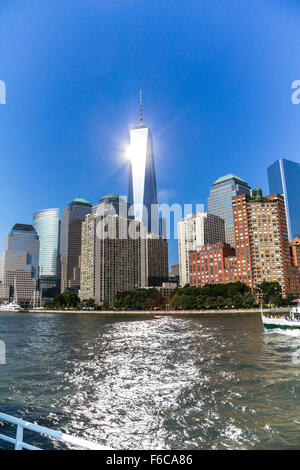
(284, 179)
(70, 242)
(112, 263)
(46, 224)
(220, 201)
(295, 251)
(207, 265)
(20, 264)
(166, 289)
(175, 269)
(174, 274)
(195, 231)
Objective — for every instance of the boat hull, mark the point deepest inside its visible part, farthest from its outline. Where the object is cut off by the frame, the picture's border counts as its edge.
(271, 326)
(271, 323)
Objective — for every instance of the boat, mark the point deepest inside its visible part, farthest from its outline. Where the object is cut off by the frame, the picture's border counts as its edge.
(10, 307)
(284, 322)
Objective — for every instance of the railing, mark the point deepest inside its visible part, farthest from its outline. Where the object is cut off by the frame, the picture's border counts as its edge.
(21, 425)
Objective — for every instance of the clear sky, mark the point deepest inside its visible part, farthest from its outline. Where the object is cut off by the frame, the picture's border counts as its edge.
(216, 77)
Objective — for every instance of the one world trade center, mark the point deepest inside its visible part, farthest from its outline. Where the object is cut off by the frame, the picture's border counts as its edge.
(142, 192)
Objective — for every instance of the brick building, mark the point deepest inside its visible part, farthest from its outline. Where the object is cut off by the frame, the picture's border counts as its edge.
(262, 251)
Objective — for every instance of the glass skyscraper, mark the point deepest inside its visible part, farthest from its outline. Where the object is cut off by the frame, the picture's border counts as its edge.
(142, 192)
(220, 201)
(284, 178)
(46, 224)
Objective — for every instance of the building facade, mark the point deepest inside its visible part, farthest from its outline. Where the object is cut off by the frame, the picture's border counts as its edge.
(195, 231)
(111, 261)
(220, 201)
(157, 262)
(207, 265)
(20, 264)
(284, 177)
(46, 224)
(70, 243)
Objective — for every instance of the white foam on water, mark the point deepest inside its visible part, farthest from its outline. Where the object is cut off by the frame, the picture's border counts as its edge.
(279, 331)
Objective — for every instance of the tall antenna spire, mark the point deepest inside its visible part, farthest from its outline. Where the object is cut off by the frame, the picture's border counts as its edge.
(141, 109)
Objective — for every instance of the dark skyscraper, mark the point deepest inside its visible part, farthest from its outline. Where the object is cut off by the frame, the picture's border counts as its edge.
(142, 192)
(70, 242)
(284, 178)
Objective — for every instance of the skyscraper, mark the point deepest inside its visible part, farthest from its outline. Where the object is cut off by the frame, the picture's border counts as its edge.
(157, 266)
(46, 224)
(112, 263)
(195, 231)
(20, 264)
(220, 201)
(142, 192)
(284, 178)
(70, 242)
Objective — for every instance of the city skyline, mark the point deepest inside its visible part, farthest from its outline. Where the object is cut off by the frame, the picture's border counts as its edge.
(212, 109)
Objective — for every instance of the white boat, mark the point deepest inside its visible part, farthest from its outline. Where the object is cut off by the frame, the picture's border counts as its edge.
(280, 321)
(10, 307)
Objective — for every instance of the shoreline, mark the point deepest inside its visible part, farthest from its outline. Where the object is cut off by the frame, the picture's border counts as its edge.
(221, 312)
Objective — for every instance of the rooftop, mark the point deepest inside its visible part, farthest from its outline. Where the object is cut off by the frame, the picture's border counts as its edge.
(228, 177)
(23, 227)
(110, 196)
(80, 200)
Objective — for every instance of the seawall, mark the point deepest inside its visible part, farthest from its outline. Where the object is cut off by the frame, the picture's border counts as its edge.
(236, 312)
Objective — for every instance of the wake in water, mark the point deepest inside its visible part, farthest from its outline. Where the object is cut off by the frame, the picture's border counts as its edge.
(279, 331)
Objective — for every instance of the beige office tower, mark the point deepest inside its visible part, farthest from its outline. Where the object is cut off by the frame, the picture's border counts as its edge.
(195, 231)
(113, 257)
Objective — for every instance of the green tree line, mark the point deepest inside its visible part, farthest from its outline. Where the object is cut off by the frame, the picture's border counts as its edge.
(211, 296)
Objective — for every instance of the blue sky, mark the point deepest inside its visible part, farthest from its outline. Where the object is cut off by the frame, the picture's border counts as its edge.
(216, 78)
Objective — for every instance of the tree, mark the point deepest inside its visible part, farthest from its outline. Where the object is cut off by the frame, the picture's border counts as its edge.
(66, 300)
(269, 290)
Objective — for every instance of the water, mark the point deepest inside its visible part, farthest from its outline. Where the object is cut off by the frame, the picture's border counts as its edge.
(140, 382)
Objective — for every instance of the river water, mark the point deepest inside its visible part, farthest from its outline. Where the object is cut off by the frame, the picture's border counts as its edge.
(140, 382)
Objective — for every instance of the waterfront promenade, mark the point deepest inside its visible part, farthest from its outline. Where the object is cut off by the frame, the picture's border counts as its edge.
(220, 312)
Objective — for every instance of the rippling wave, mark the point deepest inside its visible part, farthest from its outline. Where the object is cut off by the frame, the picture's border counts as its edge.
(159, 382)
